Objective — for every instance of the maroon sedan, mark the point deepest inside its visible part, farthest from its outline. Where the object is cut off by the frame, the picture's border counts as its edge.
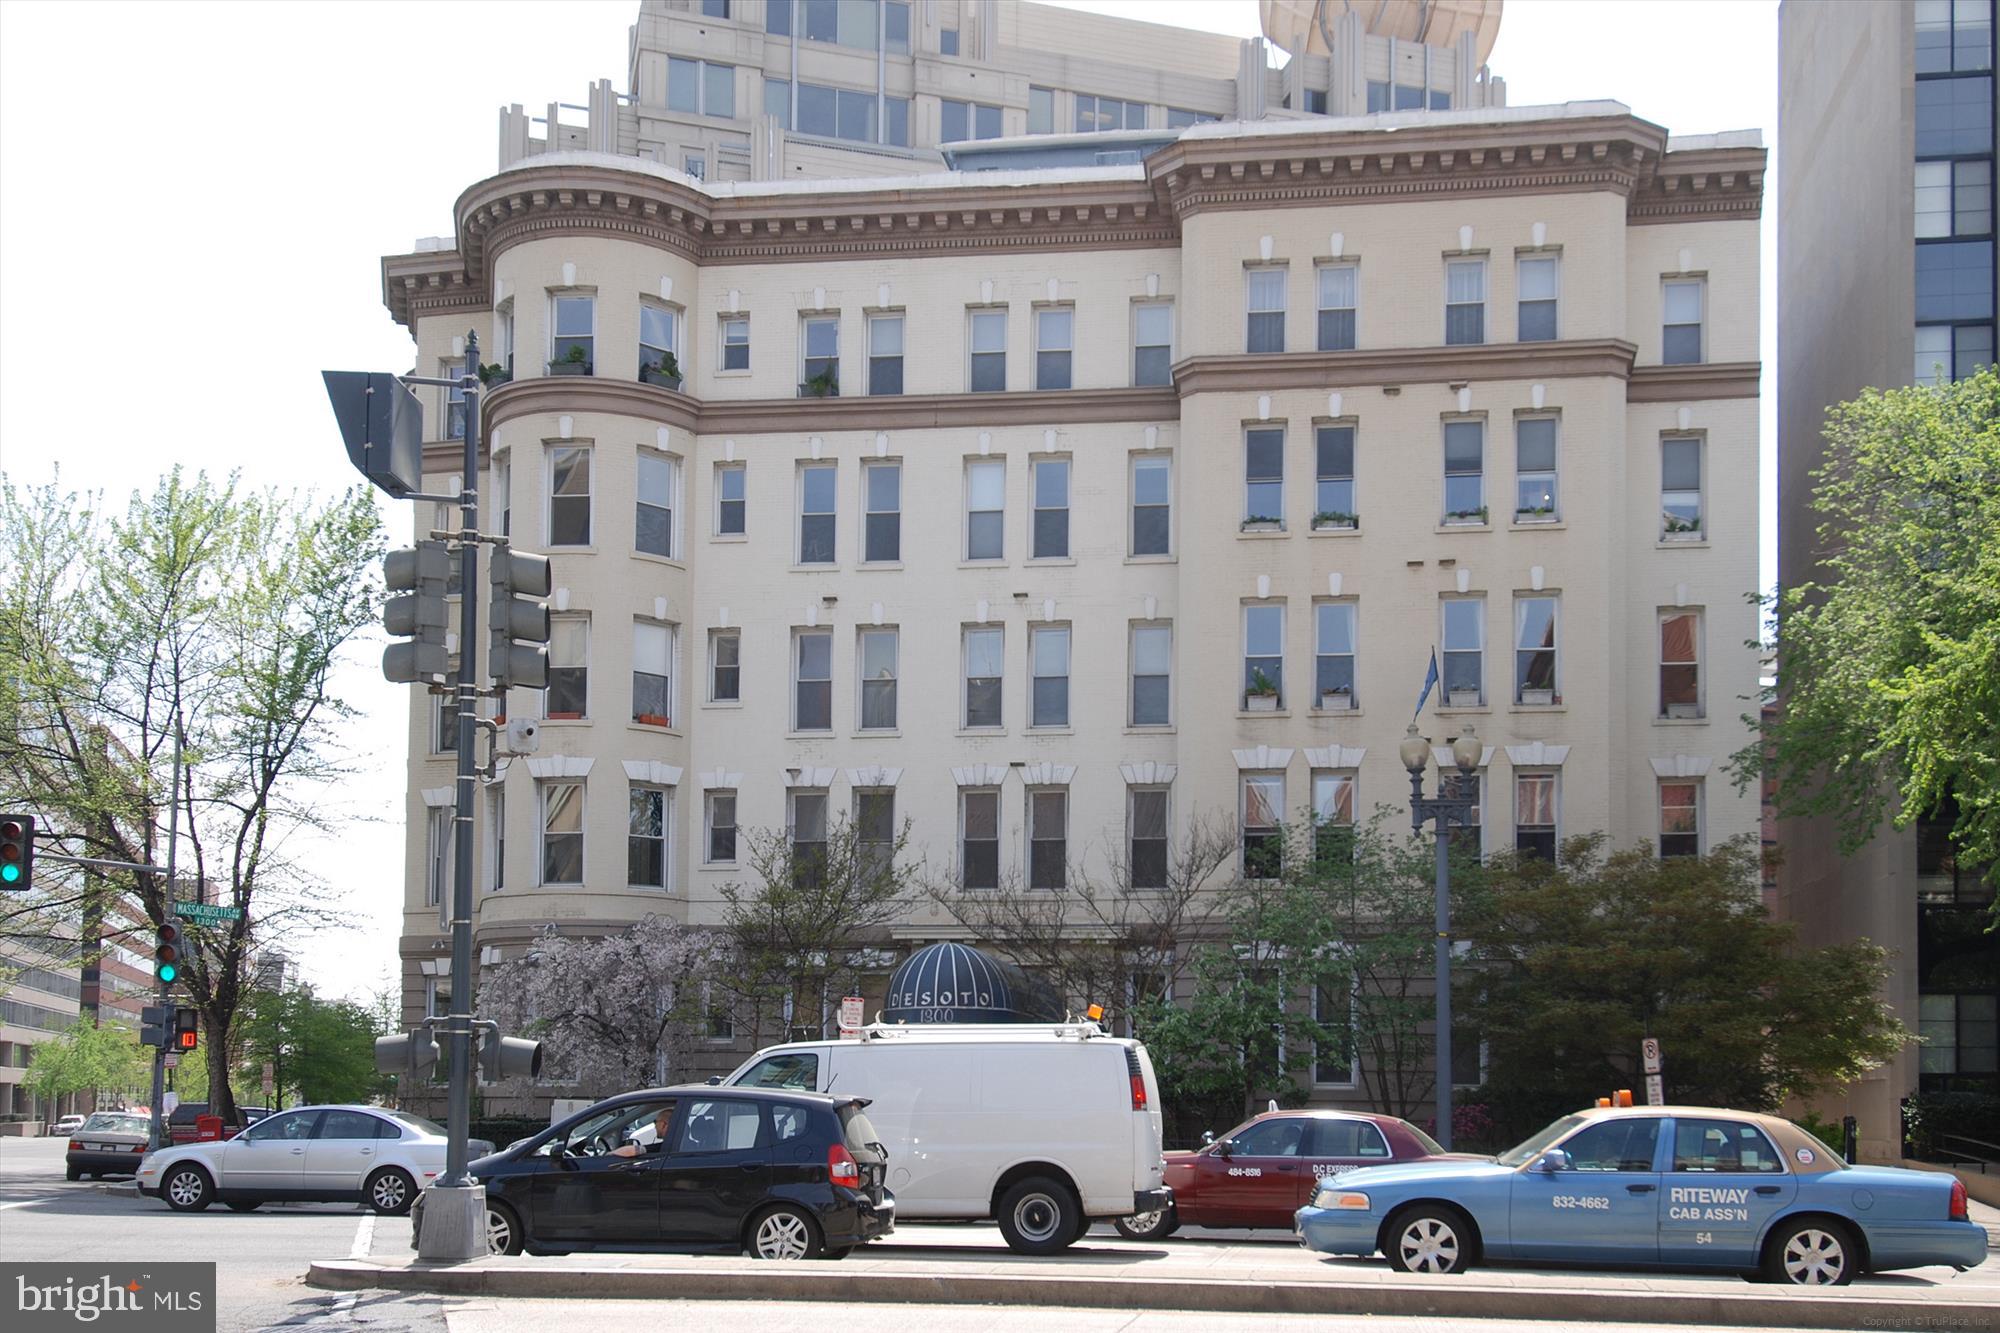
(1266, 1169)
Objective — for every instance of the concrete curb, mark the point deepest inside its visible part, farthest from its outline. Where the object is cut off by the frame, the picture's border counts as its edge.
(1447, 1298)
(129, 1188)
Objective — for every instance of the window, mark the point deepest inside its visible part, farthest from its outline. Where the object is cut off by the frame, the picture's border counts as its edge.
(1960, 350)
(1535, 678)
(816, 513)
(1954, 117)
(1152, 505)
(1537, 298)
(1152, 343)
(1264, 657)
(948, 41)
(1263, 820)
(1333, 1066)
(569, 496)
(1152, 675)
(725, 667)
(1041, 111)
(812, 681)
(853, 23)
(1954, 280)
(444, 718)
(575, 339)
(654, 531)
(1333, 818)
(1146, 837)
(985, 509)
(1048, 838)
(1681, 323)
(1464, 301)
(659, 339)
(1469, 839)
(1339, 286)
(562, 833)
(1333, 487)
(1465, 652)
(882, 517)
(730, 480)
(1055, 331)
(1464, 472)
(961, 121)
(1680, 487)
(454, 398)
(1179, 119)
(1680, 819)
(989, 351)
(1333, 655)
(719, 9)
(503, 336)
(1094, 114)
(1535, 815)
(721, 821)
(735, 343)
(885, 354)
(1953, 35)
(695, 165)
(1051, 509)
(569, 668)
(652, 674)
(700, 88)
(1959, 1033)
(1266, 294)
(979, 839)
(1048, 653)
(646, 839)
(1680, 664)
(985, 649)
(819, 343)
(875, 834)
(807, 828)
(1535, 470)
(1722, 1145)
(878, 679)
(1264, 476)
(496, 837)
(503, 492)
(1624, 1144)
(439, 856)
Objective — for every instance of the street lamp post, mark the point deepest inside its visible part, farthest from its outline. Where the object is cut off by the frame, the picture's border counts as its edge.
(1447, 810)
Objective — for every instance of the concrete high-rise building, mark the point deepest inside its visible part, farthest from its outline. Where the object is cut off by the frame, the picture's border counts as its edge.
(1056, 509)
(1885, 278)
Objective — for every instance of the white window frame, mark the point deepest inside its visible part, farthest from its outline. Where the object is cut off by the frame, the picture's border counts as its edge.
(715, 637)
(1141, 461)
(673, 507)
(1515, 686)
(721, 498)
(974, 315)
(672, 632)
(666, 798)
(862, 680)
(966, 794)
(1139, 310)
(1660, 815)
(724, 343)
(542, 790)
(708, 825)
(1067, 350)
(799, 635)
(1464, 517)
(1553, 472)
(965, 677)
(1251, 513)
(1521, 261)
(1133, 676)
(1446, 650)
(1262, 780)
(808, 318)
(1700, 285)
(550, 454)
(1700, 705)
(494, 877)
(673, 314)
(1554, 775)
(868, 469)
(1352, 609)
(875, 320)
(1031, 828)
(1700, 530)
(973, 465)
(832, 560)
(558, 295)
(1036, 508)
(1353, 1050)
(570, 618)
(1037, 635)
(1321, 272)
(1457, 262)
(1246, 657)
(1251, 310)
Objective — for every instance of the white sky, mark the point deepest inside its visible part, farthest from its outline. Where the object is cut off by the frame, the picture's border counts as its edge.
(220, 180)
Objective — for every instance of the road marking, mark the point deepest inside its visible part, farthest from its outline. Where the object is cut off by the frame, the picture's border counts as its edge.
(25, 1203)
(364, 1237)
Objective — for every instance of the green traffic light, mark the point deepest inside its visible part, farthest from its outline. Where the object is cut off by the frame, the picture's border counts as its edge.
(10, 872)
(168, 972)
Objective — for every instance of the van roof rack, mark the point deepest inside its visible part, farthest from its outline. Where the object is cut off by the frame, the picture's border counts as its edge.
(880, 1031)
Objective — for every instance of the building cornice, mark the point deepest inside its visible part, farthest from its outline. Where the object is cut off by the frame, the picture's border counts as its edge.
(1687, 384)
(1405, 365)
(1701, 185)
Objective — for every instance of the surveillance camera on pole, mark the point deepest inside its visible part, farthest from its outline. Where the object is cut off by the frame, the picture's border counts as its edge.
(421, 575)
(410, 1054)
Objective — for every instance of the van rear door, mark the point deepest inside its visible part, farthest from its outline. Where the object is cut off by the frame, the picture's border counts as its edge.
(1148, 1165)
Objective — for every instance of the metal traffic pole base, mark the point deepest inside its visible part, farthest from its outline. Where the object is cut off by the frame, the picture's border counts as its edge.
(454, 1224)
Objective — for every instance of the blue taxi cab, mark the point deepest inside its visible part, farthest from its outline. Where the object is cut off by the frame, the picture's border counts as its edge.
(1653, 1187)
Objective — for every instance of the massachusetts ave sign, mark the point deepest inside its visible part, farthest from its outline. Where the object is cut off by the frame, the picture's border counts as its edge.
(207, 914)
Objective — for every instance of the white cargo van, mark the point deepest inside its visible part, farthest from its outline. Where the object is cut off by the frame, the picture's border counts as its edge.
(1042, 1127)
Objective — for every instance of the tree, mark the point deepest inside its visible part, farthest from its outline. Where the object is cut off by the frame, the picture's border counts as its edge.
(88, 1058)
(1576, 962)
(324, 1050)
(617, 1011)
(207, 615)
(1889, 663)
(809, 905)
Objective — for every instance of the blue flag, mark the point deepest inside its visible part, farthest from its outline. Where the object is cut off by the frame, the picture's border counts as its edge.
(1430, 683)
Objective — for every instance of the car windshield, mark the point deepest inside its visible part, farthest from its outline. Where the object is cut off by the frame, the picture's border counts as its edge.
(1532, 1147)
(1424, 1141)
(106, 1123)
(417, 1122)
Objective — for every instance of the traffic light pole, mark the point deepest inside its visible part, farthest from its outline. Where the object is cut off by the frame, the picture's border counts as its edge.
(156, 1135)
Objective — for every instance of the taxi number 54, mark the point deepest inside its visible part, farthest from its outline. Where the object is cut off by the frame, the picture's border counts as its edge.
(1572, 1201)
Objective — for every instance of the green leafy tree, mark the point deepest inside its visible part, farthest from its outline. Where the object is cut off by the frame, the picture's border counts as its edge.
(89, 1058)
(321, 1050)
(204, 614)
(1889, 661)
(1575, 963)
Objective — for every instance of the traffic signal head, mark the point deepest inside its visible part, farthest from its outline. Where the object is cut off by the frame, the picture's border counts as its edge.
(154, 1019)
(516, 651)
(17, 851)
(420, 576)
(410, 1053)
(506, 1057)
(187, 1028)
(169, 953)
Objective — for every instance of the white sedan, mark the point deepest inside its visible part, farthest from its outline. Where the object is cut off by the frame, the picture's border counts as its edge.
(353, 1153)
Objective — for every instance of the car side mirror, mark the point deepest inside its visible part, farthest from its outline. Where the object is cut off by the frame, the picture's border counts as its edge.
(715, 1080)
(1207, 1137)
(1555, 1159)
(1226, 1149)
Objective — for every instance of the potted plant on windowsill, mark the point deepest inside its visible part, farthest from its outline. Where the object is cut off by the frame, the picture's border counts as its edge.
(1541, 514)
(1461, 699)
(1262, 694)
(1465, 517)
(826, 384)
(1336, 701)
(1333, 520)
(1542, 697)
(666, 372)
(652, 720)
(495, 375)
(1263, 523)
(575, 361)
(1682, 529)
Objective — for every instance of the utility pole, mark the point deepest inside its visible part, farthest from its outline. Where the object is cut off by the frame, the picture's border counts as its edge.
(156, 1130)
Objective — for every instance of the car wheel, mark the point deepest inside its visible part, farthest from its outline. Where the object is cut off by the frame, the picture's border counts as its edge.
(1156, 1225)
(1430, 1238)
(784, 1232)
(1812, 1253)
(503, 1229)
(187, 1188)
(73, 1173)
(1039, 1216)
(390, 1191)
(243, 1205)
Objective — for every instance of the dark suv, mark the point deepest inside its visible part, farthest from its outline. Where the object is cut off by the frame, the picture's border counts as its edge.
(781, 1174)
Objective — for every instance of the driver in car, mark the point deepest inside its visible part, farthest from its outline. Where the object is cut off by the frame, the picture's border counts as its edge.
(632, 1147)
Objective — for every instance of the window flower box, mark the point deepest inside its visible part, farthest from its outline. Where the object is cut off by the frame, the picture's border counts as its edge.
(1682, 530)
(1543, 697)
(1260, 703)
(652, 720)
(574, 367)
(1263, 523)
(1534, 515)
(494, 376)
(1335, 521)
(1336, 701)
(564, 717)
(1683, 710)
(1465, 517)
(666, 374)
(1462, 699)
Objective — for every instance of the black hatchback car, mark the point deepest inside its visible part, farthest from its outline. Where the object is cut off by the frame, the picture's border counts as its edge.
(781, 1174)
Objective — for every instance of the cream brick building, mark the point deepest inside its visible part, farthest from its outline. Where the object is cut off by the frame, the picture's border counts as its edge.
(1560, 301)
